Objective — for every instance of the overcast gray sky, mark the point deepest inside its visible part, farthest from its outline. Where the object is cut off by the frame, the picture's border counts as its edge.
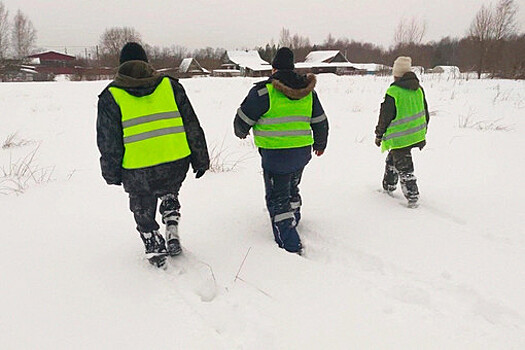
(241, 24)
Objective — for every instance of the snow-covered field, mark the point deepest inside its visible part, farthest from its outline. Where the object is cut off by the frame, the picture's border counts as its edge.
(375, 275)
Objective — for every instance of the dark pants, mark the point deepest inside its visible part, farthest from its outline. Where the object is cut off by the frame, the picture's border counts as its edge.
(144, 208)
(399, 166)
(284, 205)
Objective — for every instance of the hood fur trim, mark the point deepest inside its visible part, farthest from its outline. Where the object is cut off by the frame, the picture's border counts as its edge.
(132, 74)
(296, 94)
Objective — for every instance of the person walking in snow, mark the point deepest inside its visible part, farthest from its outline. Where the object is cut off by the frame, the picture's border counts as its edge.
(148, 134)
(403, 121)
(287, 121)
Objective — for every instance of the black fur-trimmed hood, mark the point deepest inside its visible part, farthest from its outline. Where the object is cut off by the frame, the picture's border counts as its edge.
(293, 85)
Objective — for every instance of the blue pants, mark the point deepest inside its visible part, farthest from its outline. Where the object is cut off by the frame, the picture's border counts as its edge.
(284, 205)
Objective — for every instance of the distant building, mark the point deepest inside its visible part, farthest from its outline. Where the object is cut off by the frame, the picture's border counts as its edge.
(373, 69)
(326, 61)
(52, 62)
(243, 63)
(189, 67)
(449, 71)
(15, 71)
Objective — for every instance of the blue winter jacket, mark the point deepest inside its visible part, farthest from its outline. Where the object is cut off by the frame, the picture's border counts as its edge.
(257, 103)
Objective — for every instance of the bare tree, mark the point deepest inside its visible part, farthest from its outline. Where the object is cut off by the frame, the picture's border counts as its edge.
(504, 27)
(409, 32)
(23, 36)
(285, 38)
(504, 20)
(489, 30)
(4, 31)
(481, 33)
(113, 39)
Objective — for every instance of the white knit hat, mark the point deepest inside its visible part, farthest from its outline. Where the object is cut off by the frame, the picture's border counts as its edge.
(402, 65)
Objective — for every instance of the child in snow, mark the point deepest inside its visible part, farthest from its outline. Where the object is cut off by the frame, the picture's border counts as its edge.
(148, 134)
(402, 125)
(284, 111)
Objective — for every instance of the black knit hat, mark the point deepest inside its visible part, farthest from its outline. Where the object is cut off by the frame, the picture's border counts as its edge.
(283, 59)
(132, 51)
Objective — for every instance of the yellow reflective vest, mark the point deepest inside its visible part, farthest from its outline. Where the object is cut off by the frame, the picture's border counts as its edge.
(286, 124)
(153, 130)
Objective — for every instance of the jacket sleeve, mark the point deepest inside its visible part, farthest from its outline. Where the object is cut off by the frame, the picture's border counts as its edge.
(251, 110)
(200, 160)
(319, 124)
(427, 114)
(109, 138)
(386, 115)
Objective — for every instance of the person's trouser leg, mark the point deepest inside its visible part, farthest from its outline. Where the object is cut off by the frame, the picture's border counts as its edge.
(143, 208)
(390, 177)
(405, 167)
(295, 197)
(278, 194)
(170, 211)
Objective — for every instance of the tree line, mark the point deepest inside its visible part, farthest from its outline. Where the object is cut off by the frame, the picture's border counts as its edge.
(492, 44)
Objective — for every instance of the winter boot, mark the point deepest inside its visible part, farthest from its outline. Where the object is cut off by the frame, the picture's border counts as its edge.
(409, 187)
(155, 248)
(172, 236)
(390, 178)
(286, 235)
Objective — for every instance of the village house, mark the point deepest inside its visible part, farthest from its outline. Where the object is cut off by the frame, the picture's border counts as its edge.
(373, 69)
(326, 61)
(189, 67)
(243, 63)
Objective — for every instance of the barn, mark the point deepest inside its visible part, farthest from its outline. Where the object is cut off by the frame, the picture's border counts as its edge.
(53, 62)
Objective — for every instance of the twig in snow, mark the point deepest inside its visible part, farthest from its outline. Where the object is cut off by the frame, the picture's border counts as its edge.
(242, 264)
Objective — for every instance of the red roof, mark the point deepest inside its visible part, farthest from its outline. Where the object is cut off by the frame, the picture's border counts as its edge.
(53, 56)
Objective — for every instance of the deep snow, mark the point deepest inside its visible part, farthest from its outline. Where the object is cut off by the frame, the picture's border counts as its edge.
(375, 275)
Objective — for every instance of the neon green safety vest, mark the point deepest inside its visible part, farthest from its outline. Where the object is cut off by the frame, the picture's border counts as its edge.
(286, 124)
(152, 127)
(410, 125)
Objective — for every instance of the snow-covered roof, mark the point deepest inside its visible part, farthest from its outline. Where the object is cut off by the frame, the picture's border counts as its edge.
(371, 67)
(320, 56)
(300, 65)
(248, 59)
(185, 64)
(27, 70)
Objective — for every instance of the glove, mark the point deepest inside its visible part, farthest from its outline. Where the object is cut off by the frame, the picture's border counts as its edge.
(240, 135)
(378, 141)
(114, 182)
(199, 173)
(319, 152)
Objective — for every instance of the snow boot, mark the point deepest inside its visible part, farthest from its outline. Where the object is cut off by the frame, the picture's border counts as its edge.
(172, 236)
(155, 248)
(409, 187)
(390, 178)
(286, 235)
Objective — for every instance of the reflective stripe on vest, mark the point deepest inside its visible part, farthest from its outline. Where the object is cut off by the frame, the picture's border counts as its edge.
(410, 125)
(152, 127)
(286, 124)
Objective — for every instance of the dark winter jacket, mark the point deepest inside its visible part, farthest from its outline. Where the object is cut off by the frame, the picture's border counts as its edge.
(257, 103)
(140, 79)
(388, 107)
